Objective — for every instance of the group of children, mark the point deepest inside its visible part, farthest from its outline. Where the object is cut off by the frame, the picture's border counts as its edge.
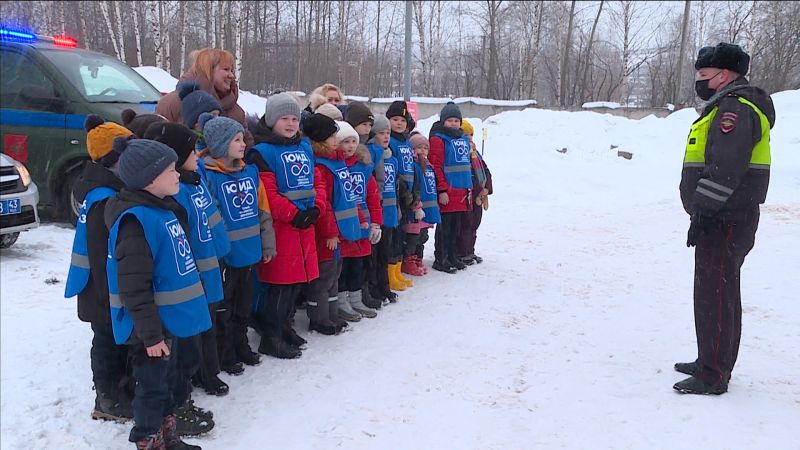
(186, 238)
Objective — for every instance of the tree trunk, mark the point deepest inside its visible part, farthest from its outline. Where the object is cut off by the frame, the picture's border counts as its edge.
(84, 31)
(137, 32)
(110, 28)
(536, 48)
(165, 35)
(588, 59)
(210, 23)
(627, 11)
(493, 7)
(677, 94)
(154, 25)
(240, 15)
(120, 32)
(182, 16)
(419, 17)
(562, 91)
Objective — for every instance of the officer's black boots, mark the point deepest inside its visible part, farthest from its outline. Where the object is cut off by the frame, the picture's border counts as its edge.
(694, 385)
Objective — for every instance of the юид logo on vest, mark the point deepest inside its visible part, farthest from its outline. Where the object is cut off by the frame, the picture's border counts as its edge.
(240, 198)
(388, 170)
(461, 146)
(201, 202)
(430, 181)
(184, 260)
(407, 157)
(297, 167)
(359, 185)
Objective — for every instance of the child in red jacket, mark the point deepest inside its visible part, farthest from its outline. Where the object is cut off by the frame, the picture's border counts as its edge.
(365, 188)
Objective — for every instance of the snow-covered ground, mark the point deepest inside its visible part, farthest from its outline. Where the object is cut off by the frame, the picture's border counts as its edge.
(563, 338)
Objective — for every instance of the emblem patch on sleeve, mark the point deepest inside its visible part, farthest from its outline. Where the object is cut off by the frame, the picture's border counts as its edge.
(728, 122)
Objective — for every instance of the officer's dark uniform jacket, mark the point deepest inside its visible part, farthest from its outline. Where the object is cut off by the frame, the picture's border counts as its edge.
(135, 264)
(727, 160)
(93, 298)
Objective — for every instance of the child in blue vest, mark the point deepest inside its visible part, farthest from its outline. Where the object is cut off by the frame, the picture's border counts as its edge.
(355, 252)
(388, 186)
(155, 291)
(286, 167)
(240, 197)
(205, 227)
(87, 271)
(402, 124)
(426, 213)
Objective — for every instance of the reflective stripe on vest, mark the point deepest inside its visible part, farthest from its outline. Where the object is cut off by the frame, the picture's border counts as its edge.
(457, 167)
(198, 203)
(428, 195)
(698, 139)
(389, 201)
(404, 154)
(79, 270)
(345, 207)
(177, 289)
(293, 166)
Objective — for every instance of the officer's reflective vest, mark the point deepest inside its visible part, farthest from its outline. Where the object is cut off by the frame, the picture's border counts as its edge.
(345, 206)
(405, 160)
(237, 195)
(428, 195)
(197, 202)
(177, 289)
(457, 168)
(698, 137)
(359, 176)
(293, 166)
(79, 271)
(389, 201)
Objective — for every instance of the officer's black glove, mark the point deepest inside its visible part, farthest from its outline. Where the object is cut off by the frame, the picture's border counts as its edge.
(701, 222)
(312, 214)
(300, 219)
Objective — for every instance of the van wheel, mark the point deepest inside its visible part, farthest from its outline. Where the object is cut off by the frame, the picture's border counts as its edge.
(7, 240)
(69, 208)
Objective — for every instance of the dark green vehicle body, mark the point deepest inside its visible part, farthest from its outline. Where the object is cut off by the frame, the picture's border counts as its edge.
(47, 92)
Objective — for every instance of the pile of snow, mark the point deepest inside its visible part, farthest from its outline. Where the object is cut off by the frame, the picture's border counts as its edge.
(457, 100)
(563, 338)
(611, 105)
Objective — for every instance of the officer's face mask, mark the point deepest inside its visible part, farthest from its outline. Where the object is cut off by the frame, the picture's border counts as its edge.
(702, 89)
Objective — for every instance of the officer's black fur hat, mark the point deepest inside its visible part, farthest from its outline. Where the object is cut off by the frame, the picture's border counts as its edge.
(723, 56)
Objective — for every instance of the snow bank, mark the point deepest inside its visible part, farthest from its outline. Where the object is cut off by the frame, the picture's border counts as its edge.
(612, 105)
(563, 338)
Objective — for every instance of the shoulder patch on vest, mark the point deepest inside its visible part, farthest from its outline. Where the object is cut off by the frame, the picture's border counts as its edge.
(728, 122)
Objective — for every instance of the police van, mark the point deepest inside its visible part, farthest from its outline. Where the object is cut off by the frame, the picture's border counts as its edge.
(49, 86)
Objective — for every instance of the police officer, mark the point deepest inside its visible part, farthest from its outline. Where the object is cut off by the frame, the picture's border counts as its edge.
(724, 180)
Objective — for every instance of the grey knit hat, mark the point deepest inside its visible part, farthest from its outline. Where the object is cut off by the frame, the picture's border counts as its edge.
(450, 110)
(280, 105)
(142, 161)
(218, 132)
(381, 123)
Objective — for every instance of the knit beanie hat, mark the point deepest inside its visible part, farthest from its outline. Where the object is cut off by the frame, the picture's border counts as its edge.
(449, 111)
(138, 123)
(319, 127)
(280, 105)
(723, 56)
(397, 108)
(176, 136)
(381, 124)
(358, 113)
(195, 101)
(100, 136)
(467, 127)
(330, 110)
(218, 133)
(345, 131)
(142, 161)
(418, 140)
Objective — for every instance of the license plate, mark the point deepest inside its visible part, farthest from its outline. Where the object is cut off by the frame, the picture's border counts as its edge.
(11, 206)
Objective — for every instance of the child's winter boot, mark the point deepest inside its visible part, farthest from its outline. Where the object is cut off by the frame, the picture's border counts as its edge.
(169, 430)
(410, 267)
(395, 283)
(346, 310)
(359, 306)
(190, 423)
(418, 262)
(399, 275)
(333, 308)
(152, 442)
(111, 406)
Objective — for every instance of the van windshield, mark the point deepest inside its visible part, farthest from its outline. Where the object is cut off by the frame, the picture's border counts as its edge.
(101, 78)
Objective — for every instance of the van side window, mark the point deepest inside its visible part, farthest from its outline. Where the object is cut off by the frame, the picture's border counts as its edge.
(25, 85)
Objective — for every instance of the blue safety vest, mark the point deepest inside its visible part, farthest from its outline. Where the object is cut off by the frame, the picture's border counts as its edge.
(376, 153)
(237, 198)
(457, 169)
(359, 176)
(405, 160)
(177, 289)
(215, 222)
(197, 202)
(79, 271)
(389, 201)
(428, 195)
(293, 166)
(345, 206)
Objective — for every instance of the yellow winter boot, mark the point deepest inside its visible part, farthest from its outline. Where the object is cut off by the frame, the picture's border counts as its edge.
(394, 283)
(399, 273)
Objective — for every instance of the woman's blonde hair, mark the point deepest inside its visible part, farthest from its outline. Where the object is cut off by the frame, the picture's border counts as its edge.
(205, 60)
(323, 91)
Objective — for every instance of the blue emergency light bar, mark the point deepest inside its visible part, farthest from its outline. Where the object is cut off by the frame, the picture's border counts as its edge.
(25, 36)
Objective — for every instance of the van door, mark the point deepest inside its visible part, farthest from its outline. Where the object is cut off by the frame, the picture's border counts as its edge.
(32, 115)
